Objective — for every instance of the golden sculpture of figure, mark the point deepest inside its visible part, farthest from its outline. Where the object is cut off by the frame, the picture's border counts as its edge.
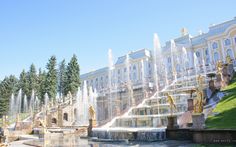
(228, 59)
(219, 66)
(198, 107)
(171, 101)
(92, 113)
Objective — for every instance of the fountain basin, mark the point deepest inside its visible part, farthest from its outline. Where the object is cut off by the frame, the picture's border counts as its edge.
(131, 134)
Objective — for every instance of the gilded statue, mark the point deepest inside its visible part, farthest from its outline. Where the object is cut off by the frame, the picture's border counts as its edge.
(198, 107)
(171, 101)
(92, 113)
(228, 59)
(219, 66)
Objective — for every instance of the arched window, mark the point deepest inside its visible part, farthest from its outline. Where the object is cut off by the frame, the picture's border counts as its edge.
(206, 52)
(230, 53)
(65, 116)
(198, 54)
(227, 42)
(216, 56)
(54, 121)
(214, 45)
(134, 76)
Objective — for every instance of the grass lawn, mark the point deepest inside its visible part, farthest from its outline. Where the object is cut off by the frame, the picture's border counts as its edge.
(226, 119)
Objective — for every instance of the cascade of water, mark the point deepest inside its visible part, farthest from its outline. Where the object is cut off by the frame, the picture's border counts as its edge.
(131, 101)
(46, 100)
(19, 101)
(85, 103)
(12, 105)
(95, 95)
(157, 46)
(25, 106)
(157, 49)
(185, 61)
(32, 101)
(204, 67)
(196, 64)
(78, 106)
(173, 50)
(110, 71)
(36, 103)
(143, 75)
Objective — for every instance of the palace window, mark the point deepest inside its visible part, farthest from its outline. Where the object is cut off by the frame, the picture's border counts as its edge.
(230, 53)
(198, 54)
(125, 69)
(227, 42)
(216, 57)
(134, 67)
(214, 45)
(118, 71)
(235, 39)
(206, 52)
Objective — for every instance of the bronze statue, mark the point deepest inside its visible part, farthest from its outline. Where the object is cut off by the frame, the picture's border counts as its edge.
(171, 101)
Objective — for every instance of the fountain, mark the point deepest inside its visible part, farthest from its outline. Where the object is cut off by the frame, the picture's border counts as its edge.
(111, 67)
(25, 105)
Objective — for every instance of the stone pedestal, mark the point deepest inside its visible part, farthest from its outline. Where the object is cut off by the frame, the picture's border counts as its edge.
(172, 122)
(190, 105)
(92, 123)
(59, 117)
(48, 119)
(198, 121)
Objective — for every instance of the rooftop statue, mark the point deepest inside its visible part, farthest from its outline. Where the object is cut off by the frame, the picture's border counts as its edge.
(171, 101)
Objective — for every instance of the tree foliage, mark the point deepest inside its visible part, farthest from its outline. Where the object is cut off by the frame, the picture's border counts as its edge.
(72, 76)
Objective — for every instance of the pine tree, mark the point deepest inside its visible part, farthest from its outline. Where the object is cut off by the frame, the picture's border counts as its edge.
(24, 83)
(72, 76)
(51, 78)
(7, 87)
(62, 78)
(42, 85)
(33, 79)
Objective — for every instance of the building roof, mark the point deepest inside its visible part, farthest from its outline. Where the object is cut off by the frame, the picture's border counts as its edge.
(134, 55)
(213, 30)
(96, 72)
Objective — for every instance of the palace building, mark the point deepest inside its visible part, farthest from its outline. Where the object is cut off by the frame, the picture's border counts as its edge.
(177, 55)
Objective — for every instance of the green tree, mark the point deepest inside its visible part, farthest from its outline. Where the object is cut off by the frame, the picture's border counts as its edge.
(72, 76)
(62, 78)
(7, 87)
(42, 85)
(51, 78)
(24, 83)
(33, 79)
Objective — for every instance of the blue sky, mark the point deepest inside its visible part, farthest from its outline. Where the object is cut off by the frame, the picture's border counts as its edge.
(33, 30)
